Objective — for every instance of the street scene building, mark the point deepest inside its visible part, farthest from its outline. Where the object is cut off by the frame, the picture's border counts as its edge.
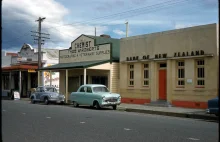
(179, 67)
(19, 72)
(89, 60)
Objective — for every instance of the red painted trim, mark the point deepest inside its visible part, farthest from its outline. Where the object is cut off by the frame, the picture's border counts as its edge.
(26, 67)
(190, 104)
(134, 101)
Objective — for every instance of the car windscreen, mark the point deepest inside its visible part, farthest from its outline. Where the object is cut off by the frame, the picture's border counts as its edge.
(100, 89)
(50, 89)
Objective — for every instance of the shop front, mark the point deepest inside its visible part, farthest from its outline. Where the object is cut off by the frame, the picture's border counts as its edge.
(178, 67)
(89, 60)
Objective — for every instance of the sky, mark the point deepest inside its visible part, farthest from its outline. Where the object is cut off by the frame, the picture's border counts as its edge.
(68, 19)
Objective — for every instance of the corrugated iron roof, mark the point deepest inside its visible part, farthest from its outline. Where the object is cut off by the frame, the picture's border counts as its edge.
(75, 65)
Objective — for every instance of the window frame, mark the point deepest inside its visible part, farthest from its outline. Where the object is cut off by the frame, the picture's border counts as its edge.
(178, 76)
(130, 79)
(196, 73)
(143, 74)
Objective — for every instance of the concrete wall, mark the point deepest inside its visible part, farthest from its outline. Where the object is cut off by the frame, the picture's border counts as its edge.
(182, 40)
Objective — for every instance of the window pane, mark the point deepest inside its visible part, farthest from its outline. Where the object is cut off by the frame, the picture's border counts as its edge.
(145, 65)
(146, 75)
(146, 82)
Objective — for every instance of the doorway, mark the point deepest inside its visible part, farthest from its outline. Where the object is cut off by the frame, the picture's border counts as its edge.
(162, 81)
(100, 80)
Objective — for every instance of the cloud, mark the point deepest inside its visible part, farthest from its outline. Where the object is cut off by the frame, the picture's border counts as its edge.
(19, 19)
(119, 32)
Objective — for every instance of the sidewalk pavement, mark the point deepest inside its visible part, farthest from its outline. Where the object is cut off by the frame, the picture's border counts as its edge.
(168, 111)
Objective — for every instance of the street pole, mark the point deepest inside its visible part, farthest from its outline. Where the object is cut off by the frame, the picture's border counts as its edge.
(39, 50)
(126, 29)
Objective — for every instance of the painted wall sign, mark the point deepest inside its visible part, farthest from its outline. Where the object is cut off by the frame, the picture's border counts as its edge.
(26, 54)
(164, 55)
(31, 70)
(83, 49)
(16, 95)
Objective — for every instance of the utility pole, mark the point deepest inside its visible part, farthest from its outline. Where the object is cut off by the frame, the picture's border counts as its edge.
(95, 31)
(39, 37)
(126, 29)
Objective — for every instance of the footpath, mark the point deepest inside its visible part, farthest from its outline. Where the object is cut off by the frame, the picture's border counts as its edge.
(167, 111)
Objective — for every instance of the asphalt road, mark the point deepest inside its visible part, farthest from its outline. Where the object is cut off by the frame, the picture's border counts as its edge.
(25, 122)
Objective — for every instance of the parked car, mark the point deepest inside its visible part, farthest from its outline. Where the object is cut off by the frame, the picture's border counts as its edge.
(95, 95)
(213, 107)
(46, 94)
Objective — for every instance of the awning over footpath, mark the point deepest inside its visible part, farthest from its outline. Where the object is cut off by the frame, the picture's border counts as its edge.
(75, 65)
(19, 67)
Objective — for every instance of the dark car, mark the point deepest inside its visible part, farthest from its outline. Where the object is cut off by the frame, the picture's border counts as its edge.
(213, 107)
(47, 94)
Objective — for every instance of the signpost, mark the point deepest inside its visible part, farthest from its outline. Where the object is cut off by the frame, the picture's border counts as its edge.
(16, 95)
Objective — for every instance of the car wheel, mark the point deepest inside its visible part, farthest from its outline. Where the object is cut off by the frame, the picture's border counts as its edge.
(114, 107)
(46, 101)
(75, 104)
(216, 114)
(62, 103)
(32, 100)
(96, 105)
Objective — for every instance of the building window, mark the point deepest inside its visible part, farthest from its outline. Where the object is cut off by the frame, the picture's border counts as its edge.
(180, 73)
(200, 72)
(131, 75)
(145, 75)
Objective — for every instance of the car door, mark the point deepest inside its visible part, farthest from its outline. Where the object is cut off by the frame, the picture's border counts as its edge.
(41, 93)
(80, 96)
(37, 93)
(89, 97)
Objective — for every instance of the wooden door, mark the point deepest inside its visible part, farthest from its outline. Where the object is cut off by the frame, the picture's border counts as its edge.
(162, 84)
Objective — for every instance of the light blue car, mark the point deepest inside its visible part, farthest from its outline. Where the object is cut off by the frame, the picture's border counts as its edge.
(95, 95)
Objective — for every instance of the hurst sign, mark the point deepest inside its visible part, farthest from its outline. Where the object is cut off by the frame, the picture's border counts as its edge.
(84, 49)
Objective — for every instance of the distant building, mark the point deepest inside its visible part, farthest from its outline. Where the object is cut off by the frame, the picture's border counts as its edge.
(19, 70)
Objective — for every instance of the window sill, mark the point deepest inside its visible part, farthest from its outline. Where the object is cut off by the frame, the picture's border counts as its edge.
(130, 87)
(200, 87)
(180, 86)
(179, 89)
(145, 88)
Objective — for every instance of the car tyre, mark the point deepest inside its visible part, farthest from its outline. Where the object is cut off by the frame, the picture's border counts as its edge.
(46, 101)
(96, 105)
(32, 100)
(75, 104)
(114, 107)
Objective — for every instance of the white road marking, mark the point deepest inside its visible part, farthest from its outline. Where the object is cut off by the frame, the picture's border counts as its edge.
(127, 129)
(194, 139)
(82, 122)
(48, 117)
(3, 110)
(23, 113)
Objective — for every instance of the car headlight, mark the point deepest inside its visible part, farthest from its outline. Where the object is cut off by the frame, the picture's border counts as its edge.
(119, 98)
(103, 97)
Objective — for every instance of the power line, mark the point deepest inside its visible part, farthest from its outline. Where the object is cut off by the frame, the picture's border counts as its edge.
(125, 12)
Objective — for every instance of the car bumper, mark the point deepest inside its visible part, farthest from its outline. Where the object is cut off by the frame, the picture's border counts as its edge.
(57, 100)
(110, 103)
(207, 111)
